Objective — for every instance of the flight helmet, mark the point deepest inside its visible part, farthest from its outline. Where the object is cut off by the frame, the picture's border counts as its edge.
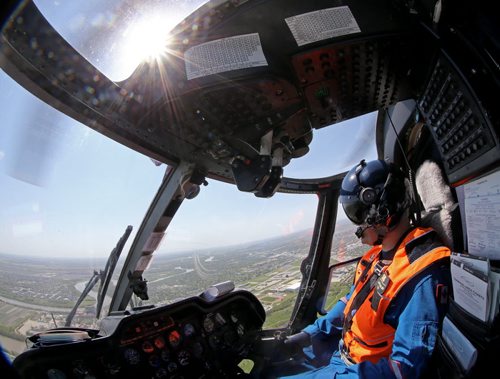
(374, 193)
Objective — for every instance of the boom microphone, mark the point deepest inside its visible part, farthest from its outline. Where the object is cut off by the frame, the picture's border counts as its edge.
(359, 232)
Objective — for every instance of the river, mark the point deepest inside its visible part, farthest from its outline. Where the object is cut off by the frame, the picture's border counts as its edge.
(93, 294)
(17, 346)
(37, 307)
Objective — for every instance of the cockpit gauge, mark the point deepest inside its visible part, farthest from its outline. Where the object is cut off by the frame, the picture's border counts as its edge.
(189, 330)
(234, 317)
(174, 338)
(154, 361)
(165, 356)
(132, 356)
(172, 366)
(208, 324)
(159, 342)
(219, 319)
(148, 347)
(203, 342)
(161, 373)
(240, 329)
(183, 358)
(54, 373)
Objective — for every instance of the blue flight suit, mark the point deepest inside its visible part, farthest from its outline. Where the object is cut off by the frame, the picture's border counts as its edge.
(416, 313)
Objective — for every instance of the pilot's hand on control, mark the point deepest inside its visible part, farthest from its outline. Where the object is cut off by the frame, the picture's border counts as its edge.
(301, 339)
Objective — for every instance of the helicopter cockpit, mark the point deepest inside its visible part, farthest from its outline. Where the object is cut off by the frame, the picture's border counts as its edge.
(240, 94)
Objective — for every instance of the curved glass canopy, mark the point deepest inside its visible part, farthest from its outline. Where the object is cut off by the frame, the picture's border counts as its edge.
(67, 192)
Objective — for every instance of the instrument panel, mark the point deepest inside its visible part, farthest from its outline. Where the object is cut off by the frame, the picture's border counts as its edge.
(193, 338)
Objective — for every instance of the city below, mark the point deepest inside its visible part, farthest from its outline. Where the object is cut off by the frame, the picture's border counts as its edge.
(37, 294)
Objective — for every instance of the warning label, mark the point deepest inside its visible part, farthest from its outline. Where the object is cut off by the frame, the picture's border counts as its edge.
(226, 54)
(323, 24)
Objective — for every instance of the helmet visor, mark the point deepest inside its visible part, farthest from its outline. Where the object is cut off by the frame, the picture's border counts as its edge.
(354, 209)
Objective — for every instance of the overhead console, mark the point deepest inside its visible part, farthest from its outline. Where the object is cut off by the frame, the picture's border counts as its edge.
(465, 130)
(256, 78)
(246, 82)
(193, 338)
(458, 103)
(244, 86)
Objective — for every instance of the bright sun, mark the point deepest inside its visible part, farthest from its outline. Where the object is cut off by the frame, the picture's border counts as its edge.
(148, 37)
(145, 39)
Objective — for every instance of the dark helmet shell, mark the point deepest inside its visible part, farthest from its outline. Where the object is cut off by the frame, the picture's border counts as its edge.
(374, 193)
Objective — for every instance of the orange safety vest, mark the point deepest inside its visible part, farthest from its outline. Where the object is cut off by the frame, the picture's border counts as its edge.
(366, 336)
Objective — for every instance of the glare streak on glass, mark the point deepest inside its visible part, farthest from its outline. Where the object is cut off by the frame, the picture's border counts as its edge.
(66, 195)
(67, 192)
(116, 35)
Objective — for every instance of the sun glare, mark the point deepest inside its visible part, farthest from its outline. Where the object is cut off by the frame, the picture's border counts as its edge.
(145, 39)
(149, 38)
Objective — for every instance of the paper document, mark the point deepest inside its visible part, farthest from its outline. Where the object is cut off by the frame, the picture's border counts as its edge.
(480, 264)
(225, 54)
(476, 285)
(482, 216)
(470, 290)
(323, 24)
(465, 353)
(495, 293)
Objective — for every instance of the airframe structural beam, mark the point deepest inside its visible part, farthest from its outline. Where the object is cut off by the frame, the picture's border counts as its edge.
(166, 202)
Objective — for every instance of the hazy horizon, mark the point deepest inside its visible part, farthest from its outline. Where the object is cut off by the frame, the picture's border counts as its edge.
(342, 223)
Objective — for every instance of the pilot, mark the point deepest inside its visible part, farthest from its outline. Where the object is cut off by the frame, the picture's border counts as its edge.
(386, 326)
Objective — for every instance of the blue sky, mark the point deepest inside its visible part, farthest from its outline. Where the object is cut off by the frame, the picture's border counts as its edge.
(66, 190)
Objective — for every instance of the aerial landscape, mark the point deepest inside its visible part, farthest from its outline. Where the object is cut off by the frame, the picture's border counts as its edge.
(37, 294)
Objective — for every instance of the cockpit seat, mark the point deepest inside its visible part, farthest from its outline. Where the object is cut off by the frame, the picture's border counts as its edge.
(442, 213)
(441, 210)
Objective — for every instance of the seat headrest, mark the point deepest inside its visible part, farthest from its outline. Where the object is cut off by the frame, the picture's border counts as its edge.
(440, 207)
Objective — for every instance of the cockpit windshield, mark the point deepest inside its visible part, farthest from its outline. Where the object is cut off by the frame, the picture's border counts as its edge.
(67, 193)
(173, 185)
(116, 35)
(65, 190)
